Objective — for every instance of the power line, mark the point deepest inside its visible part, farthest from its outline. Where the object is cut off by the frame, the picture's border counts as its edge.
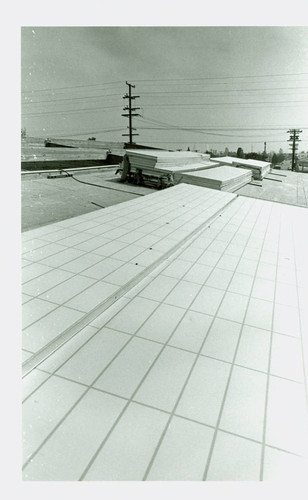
(168, 84)
(207, 91)
(198, 130)
(214, 142)
(165, 126)
(219, 103)
(221, 77)
(204, 132)
(52, 101)
(55, 101)
(214, 129)
(174, 105)
(155, 82)
(245, 105)
(73, 87)
(72, 111)
(152, 120)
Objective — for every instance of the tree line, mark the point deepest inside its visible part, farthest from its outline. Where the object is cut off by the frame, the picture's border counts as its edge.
(274, 158)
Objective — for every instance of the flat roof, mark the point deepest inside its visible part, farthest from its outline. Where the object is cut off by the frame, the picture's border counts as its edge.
(45, 201)
(200, 354)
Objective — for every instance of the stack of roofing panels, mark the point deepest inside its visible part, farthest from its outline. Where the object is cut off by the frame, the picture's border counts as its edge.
(259, 168)
(153, 161)
(223, 178)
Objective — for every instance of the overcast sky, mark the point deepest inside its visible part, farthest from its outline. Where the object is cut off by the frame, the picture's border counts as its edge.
(240, 86)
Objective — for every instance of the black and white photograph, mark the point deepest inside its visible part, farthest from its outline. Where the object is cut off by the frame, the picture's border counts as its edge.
(163, 255)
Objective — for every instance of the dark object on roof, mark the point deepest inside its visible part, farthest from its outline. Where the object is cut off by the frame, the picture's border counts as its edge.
(49, 144)
(140, 146)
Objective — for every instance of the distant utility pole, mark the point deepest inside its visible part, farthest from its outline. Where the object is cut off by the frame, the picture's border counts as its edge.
(294, 139)
(130, 110)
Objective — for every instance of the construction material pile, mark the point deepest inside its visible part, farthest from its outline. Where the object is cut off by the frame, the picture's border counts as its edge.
(153, 161)
(223, 178)
(258, 168)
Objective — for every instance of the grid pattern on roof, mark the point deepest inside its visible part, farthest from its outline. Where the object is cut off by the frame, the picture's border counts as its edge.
(79, 267)
(198, 373)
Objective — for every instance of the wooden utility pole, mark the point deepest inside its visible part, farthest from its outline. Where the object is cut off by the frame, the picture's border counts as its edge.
(294, 139)
(130, 113)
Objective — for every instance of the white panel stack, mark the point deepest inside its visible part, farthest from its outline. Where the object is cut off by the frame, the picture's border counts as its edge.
(259, 168)
(153, 161)
(223, 178)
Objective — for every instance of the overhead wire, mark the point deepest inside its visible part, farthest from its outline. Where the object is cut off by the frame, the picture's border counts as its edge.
(153, 120)
(226, 80)
(221, 77)
(71, 99)
(70, 111)
(173, 105)
(220, 91)
(214, 142)
(249, 104)
(155, 81)
(207, 132)
(162, 92)
(73, 87)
